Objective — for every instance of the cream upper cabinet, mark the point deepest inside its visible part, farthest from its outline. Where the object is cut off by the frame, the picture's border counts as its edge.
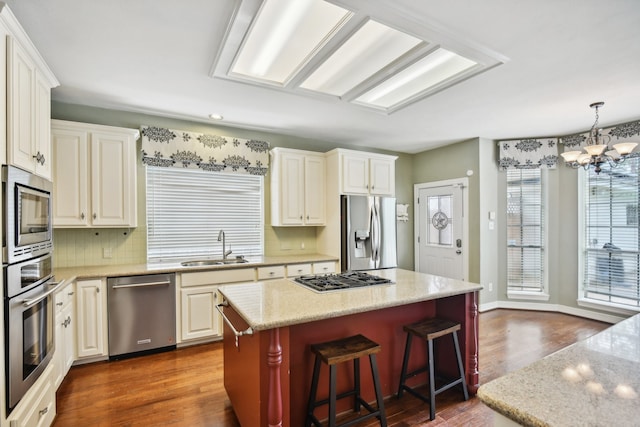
(94, 175)
(366, 173)
(29, 83)
(297, 188)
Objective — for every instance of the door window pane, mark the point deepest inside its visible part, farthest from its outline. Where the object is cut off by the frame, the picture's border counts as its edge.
(439, 218)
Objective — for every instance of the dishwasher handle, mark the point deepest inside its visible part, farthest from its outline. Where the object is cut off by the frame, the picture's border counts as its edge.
(236, 332)
(140, 285)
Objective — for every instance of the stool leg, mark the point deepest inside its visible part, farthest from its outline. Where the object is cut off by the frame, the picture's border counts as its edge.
(376, 383)
(405, 363)
(356, 385)
(432, 382)
(460, 368)
(312, 393)
(332, 396)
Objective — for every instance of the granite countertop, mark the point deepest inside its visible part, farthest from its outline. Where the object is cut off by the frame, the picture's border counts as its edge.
(277, 303)
(595, 382)
(90, 272)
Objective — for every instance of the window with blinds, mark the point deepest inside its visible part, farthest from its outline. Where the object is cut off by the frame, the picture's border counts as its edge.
(612, 238)
(187, 208)
(525, 230)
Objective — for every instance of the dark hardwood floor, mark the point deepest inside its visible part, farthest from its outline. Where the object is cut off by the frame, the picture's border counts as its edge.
(185, 387)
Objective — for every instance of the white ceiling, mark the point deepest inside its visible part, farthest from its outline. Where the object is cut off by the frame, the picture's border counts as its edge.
(157, 57)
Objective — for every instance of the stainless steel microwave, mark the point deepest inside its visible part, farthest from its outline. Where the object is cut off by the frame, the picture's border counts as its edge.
(28, 222)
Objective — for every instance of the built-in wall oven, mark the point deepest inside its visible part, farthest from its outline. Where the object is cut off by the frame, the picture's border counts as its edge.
(28, 224)
(27, 269)
(29, 327)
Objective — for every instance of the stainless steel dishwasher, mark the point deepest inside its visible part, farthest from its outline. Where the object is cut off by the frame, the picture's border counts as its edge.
(142, 313)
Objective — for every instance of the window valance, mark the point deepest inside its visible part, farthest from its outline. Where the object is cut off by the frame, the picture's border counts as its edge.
(167, 147)
(529, 153)
(627, 132)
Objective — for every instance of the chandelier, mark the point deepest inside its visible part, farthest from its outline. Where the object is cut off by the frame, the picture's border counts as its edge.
(597, 151)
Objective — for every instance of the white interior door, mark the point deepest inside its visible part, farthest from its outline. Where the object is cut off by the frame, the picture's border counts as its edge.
(441, 240)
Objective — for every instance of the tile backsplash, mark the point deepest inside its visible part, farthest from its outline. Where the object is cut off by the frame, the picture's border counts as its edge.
(98, 246)
(104, 246)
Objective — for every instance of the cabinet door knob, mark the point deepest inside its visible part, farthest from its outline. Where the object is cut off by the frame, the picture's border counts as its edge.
(39, 158)
(82, 215)
(300, 216)
(307, 217)
(95, 216)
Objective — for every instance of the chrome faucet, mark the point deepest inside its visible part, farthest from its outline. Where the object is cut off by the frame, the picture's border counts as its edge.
(225, 252)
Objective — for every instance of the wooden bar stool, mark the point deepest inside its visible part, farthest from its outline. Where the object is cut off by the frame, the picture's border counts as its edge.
(338, 351)
(429, 330)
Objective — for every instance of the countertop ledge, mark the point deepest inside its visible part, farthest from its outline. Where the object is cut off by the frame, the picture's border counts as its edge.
(282, 302)
(98, 271)
(591, 382)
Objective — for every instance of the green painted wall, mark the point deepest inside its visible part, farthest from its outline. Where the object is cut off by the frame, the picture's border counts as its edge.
(450, 162)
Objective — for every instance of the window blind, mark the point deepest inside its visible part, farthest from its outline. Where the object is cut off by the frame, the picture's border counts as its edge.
(612, 238)
(187, 208)
(525, 230)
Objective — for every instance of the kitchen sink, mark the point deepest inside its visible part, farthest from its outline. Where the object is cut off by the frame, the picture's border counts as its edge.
(205, 262)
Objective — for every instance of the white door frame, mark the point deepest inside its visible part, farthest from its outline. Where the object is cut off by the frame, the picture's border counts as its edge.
(464, 182)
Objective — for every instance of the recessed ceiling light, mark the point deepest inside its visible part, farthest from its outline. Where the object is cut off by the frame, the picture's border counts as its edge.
(215, 116)
(317, 48)
(285, 35)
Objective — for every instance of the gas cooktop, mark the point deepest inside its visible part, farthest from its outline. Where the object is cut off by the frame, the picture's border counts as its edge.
(346, 280)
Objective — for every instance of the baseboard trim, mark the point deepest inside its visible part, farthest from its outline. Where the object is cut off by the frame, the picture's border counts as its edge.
(518, 305)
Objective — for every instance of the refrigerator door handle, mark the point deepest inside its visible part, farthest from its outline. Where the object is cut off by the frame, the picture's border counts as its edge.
(375, 235)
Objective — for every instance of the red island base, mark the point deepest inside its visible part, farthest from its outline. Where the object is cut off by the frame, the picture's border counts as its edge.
(268, 374)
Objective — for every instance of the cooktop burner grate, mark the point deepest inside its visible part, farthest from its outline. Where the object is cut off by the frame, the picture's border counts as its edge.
(346, 280)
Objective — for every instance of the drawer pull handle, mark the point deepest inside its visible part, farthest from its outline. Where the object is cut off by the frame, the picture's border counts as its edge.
(43, 411)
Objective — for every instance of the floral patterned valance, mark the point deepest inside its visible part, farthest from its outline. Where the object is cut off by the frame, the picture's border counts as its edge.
(529, 153)
(627, 132)
(167, 147)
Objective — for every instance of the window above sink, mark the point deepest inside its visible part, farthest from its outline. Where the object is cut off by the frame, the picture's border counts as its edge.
(187, 208)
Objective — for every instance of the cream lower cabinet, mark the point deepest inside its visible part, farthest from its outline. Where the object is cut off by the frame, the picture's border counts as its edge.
(91, 327)
(297, 188)
(94, 175)
(38, 407)
(199, 318)
(65, 333)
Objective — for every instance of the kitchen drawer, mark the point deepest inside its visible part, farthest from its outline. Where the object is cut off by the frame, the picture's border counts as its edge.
(38, 407)
(199, 278)
(63, 297)
(273, 272)
(324, 267)
(294, 270)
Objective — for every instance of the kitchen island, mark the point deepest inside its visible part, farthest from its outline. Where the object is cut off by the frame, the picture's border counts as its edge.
(594, 382)
(268, 372)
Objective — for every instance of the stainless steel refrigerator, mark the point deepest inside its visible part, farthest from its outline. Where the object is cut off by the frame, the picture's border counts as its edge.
(368, 232)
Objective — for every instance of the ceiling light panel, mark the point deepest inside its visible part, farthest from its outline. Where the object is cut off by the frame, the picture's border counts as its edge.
(284, 37)
(370, 49)
(429, 73)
